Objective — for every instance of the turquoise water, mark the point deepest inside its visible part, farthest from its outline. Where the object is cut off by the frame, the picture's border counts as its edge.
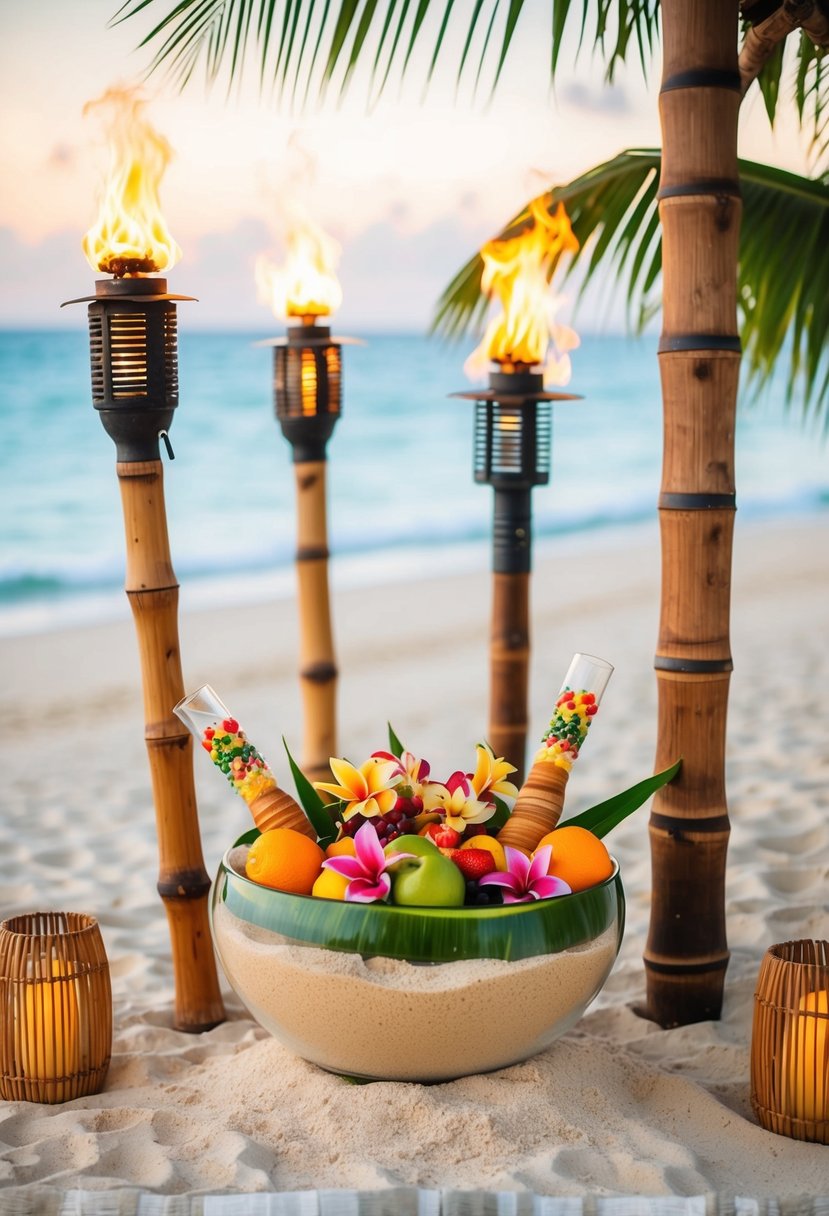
(401, 495)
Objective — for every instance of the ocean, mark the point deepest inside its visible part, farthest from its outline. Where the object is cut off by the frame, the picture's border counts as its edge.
(402, 500)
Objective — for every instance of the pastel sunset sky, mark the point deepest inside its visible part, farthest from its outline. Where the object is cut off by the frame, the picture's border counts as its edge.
(409, 188)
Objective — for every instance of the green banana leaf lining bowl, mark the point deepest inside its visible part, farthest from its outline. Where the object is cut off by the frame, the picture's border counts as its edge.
(381, 992)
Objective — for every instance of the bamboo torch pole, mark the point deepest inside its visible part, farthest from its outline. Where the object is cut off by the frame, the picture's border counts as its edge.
(512, 452)
(183, 883)
(132, 328)
(307, 399)
(317, 662)
(686, 954)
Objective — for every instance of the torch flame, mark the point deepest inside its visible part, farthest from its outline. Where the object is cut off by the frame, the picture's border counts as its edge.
(516, 272)
(306, 285)
(130, 237)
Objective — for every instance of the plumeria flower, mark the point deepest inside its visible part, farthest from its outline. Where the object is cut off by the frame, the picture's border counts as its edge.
(524, 880)
(491, 773)
(413, 772)
(367, 790)
(456, 801)
(367, 870)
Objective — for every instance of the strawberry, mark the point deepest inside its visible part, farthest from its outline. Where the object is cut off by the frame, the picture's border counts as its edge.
(442, 836)
(473, 863)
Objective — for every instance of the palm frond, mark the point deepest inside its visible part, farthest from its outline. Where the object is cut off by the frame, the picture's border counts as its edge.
(783, 272)
(315, 44)
(796, 70)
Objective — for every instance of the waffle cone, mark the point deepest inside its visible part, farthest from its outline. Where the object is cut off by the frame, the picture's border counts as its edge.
(538, 806)
(277, 809)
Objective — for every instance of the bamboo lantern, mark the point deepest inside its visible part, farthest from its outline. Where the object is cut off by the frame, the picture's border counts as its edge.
(512, 452)
(56, 1007)
(219, 733)
(790, 1041)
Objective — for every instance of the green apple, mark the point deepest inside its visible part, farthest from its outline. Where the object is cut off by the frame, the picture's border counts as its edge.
(420, 845)
(429, 880)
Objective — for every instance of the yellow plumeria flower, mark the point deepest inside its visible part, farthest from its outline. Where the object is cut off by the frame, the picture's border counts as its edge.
(491, 772)
(367, 790)
(457, 802)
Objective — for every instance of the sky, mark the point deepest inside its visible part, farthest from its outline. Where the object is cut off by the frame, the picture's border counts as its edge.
(409, 187)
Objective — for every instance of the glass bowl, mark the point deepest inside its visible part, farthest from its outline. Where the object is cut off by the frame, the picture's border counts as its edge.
(382, 992)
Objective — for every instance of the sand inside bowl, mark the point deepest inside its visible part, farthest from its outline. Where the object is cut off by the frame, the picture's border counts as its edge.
(390, 1019)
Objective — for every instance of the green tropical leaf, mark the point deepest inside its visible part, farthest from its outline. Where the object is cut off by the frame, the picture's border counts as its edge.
(796, 69)
(783, 285)
(395, 746)
(312, 804)
(350, 32)
(502, 813)
(605, 816)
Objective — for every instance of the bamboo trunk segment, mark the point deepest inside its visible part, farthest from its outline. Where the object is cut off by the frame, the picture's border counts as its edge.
(277, 809)
(538, 806)
(318, 668)
(686, 954)
(509, 669)
(183, 882)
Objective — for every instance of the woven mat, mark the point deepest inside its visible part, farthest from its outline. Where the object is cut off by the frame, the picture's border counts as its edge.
(400, 1201)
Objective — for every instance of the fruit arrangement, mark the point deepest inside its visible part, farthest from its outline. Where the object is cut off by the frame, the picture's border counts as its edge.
(389, 832)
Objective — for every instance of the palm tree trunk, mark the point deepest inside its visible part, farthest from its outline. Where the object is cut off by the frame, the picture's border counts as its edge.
(686, 954)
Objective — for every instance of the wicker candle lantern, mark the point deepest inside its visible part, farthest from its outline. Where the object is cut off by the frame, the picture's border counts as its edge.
(790, 1041)
(56, 1003)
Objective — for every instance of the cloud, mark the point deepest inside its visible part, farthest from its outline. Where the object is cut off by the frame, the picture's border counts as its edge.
(603, 99)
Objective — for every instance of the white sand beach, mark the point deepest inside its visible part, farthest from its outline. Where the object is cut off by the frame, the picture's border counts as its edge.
(618, 1107)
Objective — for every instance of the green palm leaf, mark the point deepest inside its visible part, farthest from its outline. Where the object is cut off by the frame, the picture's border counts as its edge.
(316, 43)
(783, 273)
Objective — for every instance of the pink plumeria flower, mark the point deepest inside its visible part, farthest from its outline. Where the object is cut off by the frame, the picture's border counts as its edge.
(367, 870)
(456, 801)
(524, 880)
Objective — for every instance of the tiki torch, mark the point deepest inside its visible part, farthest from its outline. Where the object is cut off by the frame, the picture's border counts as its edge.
(307, 384)
(134, 357)
(521, 350)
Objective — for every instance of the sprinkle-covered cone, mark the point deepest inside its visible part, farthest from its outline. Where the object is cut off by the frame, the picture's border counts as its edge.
(277, 809)
(538, 806)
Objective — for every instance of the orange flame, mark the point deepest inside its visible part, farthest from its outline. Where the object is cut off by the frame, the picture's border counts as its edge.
(516, 272)
(130, 236)
(306, 285)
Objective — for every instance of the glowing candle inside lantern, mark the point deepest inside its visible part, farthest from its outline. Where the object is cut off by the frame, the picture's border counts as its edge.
(49, 1028)
(806, 1052)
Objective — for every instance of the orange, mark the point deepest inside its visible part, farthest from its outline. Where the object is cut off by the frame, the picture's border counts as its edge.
(345, 847)
(330, 885)
(285, 859)
(578, 857)
(492, 845)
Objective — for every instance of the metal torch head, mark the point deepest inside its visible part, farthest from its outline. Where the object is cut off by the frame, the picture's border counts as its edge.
(134, 360)
(308, 389)
(513, 430)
